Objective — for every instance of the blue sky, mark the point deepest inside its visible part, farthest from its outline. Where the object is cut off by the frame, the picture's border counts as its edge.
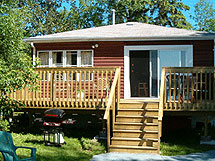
(191, 4)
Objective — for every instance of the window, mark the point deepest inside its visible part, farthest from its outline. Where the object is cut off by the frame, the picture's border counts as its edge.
(57, 58)
(71, 58)
(63, 58)
(86, 58)
(44, 58)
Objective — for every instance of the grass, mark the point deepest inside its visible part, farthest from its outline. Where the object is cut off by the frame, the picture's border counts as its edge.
(182, 142)
(80, 148)
(74, 150)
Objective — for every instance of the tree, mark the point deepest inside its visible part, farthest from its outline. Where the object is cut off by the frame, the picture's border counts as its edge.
(48, 16)
(159, 12)
(16, 71)
(169, 13)
(91, 13)
(204, 16)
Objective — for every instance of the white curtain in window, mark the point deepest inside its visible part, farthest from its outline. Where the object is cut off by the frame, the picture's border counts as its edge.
(44, 58)
(86, 58)
(54, 58)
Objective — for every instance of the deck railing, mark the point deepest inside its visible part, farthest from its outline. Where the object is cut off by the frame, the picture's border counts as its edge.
(76, 88)
(112, 104)
(187, 89)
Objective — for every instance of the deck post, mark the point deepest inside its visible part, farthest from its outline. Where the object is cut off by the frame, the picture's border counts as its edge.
(206, 126)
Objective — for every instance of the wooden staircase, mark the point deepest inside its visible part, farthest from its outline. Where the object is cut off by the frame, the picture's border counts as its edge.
(136, 129)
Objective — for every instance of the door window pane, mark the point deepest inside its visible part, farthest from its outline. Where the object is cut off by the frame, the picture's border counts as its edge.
(71, 58)
(44, 58)
(86, 58)
(57, 58)
(170, 58)
(139, 73)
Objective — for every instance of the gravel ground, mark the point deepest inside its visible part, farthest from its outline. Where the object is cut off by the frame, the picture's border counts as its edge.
(206, 156)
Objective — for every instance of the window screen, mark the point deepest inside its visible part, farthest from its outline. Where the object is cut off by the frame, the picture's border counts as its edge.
(44, 58)
(86, 58)
(57, 58)
(71, 58)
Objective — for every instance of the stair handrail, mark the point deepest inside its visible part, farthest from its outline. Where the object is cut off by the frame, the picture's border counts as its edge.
(111, 103)
(162, 93)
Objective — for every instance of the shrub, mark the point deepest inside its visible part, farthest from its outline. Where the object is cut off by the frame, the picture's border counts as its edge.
(92, 146)
(4, 125)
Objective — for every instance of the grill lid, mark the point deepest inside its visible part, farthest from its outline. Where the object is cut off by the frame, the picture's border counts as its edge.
(54, 113)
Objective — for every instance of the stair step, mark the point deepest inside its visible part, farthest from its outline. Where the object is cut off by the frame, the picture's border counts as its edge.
(138, 112)
(136, 126)
(135, 109)
(135, 123)
(132, 149)
(135, 133)
(137, 119)
(139, 105)
(132, 116)
(135, 141)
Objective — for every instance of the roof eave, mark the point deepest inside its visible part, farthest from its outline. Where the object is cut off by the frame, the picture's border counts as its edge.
(69, 39)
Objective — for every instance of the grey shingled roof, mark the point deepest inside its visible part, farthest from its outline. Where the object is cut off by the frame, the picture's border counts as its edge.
(124, 32)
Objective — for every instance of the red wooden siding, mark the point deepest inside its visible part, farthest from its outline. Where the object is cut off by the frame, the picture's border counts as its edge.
(203, 53)
(112, 53)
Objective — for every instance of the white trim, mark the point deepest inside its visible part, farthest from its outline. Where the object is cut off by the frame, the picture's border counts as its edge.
(82, 39)
(64, 58)
(79, 58)
(34, 53)
(127, 88)
(150, 76)
(50, 58)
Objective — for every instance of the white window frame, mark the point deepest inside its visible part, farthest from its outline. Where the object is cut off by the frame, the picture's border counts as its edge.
(127, 49)
(64, 58)
(41, 51)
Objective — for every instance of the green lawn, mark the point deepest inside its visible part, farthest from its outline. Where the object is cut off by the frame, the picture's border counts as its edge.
(83, 149)
(75, 149)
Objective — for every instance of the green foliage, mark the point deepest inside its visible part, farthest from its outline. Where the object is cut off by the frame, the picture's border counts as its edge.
(91, 13)
(159, 12)
(16, 71)
(48, 17)
(204, 16)
(92, 146)
(44, 17)
(4, 125)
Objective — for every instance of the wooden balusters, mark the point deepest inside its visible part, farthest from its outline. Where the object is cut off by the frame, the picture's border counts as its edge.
(86, 87)
(189, 88)
(67, 89)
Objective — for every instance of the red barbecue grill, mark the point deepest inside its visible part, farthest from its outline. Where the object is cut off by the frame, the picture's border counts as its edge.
(53, 129)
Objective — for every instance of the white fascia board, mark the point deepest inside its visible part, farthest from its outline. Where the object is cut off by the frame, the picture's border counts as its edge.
(69, 39)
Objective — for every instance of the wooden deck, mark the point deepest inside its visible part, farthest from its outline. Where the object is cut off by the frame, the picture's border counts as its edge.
(132, 125)
(69, 88)
(188, 89)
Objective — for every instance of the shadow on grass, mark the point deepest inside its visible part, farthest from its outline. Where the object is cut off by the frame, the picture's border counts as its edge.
(181, 142)
(34, 141)
(59, 156)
